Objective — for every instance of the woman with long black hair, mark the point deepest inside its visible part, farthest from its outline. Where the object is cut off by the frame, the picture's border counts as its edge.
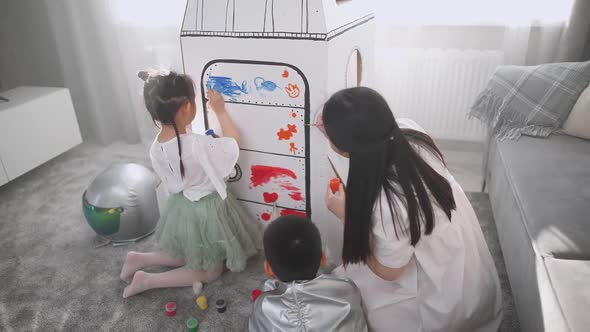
(412, 241)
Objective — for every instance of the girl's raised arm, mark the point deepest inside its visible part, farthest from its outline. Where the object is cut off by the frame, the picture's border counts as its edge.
(227, 125)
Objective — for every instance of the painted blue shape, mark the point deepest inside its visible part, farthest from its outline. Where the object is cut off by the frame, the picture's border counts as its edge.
(226, 86)
(262, 84)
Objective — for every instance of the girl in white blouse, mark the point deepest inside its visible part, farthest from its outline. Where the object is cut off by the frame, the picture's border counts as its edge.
(412, 241)
(203, 227)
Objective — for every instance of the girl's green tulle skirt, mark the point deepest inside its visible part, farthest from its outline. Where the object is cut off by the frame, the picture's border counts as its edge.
(208, 232)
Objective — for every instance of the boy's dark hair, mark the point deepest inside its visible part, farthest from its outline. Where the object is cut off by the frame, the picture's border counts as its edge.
(293, 248)
(164, 95)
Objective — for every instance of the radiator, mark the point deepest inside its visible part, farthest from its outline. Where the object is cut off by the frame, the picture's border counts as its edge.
(435, 87)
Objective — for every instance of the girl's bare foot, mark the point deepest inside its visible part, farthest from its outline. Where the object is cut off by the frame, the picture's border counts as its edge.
(137, 285)
(133, 262)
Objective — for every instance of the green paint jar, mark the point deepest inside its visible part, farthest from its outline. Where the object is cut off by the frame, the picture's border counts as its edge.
(192, 325)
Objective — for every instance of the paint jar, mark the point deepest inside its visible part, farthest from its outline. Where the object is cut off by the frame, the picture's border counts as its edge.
(171, 309)
(192, 325)
(202, 302)
(255, 294)
(334, 185)
(220, 306)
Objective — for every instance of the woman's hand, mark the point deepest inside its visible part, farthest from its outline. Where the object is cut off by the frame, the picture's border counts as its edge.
(216, 101)
(336, 202)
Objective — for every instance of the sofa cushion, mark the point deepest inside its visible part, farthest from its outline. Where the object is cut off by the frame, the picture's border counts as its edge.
(550, 178)
(578, 122)
(570, 282)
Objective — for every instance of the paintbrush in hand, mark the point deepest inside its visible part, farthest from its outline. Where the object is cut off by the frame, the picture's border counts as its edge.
(275, 212)
(336, 172)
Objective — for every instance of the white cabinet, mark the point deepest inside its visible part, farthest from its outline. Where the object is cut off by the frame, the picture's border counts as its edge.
(36, 125)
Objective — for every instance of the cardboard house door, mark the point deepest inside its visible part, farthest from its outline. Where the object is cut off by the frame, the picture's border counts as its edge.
(269, 103)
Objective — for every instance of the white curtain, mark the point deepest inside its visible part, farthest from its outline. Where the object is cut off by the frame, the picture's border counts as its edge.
(433, 57)
(527, 31)
(102, 44)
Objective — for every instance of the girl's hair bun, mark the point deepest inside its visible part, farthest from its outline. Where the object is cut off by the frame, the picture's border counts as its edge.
(144, 75)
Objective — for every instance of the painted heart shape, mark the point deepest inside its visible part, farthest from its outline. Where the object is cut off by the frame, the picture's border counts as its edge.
(270, 197)
(285, 74)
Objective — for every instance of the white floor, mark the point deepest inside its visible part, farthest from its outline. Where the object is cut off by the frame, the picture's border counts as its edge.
(464, 160)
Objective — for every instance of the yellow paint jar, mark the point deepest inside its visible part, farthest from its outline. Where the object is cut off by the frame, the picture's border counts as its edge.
(202, 302)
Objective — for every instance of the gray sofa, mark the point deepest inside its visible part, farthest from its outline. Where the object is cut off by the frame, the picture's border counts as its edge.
(540, 194)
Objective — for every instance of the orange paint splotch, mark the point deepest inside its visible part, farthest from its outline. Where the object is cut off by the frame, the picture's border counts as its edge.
(292, 147)
(284, 134)
(292, 90)
(287, 134)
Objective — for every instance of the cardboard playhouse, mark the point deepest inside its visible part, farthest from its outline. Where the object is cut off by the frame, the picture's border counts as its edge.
(276, 62)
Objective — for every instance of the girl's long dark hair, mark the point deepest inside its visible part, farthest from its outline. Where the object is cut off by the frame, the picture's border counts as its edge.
(382, 159)
(164, 95)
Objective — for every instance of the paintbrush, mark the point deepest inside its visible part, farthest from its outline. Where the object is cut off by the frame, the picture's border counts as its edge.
(336, 172)
(275, 212)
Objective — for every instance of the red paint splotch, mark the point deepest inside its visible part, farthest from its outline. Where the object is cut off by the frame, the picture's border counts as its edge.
(295, 192)
(288, 212)
(265, 216)
(293, 115)
(288, 186)
(262, 174)
(270, 197)
(296, 196)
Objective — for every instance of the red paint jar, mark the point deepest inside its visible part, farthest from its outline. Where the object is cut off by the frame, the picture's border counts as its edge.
(335, 185)
(170, 309)
(255, 294)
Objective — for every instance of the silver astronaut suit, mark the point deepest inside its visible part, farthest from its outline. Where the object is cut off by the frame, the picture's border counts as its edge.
(326, 303)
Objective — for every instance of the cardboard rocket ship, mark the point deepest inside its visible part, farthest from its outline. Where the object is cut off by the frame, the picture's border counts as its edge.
(276, 62)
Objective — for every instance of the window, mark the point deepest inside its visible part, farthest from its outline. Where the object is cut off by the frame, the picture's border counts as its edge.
(354, 69)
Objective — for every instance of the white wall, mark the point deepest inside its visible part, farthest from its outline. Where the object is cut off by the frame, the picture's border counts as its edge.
(94, 48)
(28, 52)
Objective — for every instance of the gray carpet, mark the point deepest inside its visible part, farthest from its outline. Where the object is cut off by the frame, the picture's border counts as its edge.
(52, 279)
(483, 209)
